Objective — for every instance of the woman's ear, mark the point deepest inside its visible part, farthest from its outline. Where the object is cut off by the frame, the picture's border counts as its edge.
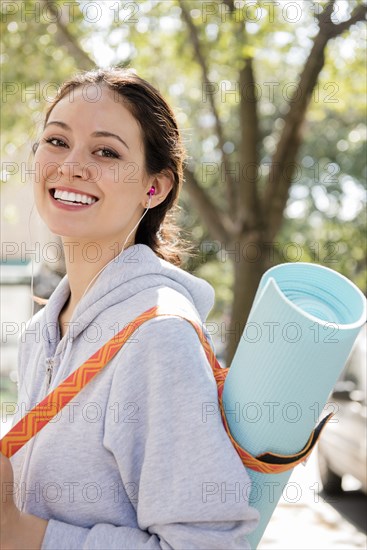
(35, 147)
(162, 183)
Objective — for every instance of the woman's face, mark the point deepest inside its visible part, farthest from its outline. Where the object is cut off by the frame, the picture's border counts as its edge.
(90, 183)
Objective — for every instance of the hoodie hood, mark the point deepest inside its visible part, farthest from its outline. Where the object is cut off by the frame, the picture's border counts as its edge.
(135, 270)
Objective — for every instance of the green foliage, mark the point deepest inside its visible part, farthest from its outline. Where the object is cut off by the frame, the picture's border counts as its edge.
(33, 66)
(327, 197)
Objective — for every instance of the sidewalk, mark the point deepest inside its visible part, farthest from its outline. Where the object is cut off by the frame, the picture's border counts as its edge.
(302, 527)
(310, 523)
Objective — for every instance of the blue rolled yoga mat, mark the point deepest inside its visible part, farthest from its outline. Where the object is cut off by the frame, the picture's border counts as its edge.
(301, 328)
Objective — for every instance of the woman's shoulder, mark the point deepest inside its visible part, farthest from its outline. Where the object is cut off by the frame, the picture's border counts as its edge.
(169, 342)
(150, 306)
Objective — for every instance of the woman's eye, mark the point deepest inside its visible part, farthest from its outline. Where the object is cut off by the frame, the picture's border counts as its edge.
(103, 152)
(108, 153)
(55, 141)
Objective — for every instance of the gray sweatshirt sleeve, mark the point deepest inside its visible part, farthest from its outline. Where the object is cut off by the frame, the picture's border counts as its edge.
(191, 486)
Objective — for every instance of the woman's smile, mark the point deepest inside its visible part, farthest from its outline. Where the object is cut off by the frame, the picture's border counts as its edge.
(72, 200)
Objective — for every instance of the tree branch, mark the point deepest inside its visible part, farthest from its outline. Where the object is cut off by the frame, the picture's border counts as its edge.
(331, 29)
(283, 162)
(230, 4)
(218, 224)
(67, 40)
(249, 208)
(230, 187)
(281, 172)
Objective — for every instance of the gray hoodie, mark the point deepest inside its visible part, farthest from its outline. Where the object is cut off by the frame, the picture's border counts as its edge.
(139, 458)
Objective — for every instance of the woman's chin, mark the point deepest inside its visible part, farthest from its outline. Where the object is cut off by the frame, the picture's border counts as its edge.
(72, 233)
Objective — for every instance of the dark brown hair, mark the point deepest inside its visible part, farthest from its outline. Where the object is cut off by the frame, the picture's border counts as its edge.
(162, 147)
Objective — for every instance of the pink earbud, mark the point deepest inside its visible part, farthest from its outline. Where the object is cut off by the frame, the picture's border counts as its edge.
(151, 191)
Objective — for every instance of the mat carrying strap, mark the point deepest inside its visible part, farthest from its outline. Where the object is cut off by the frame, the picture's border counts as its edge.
(51, 405)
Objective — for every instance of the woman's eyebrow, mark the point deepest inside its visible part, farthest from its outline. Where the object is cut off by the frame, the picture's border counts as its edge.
(101, 133)
(58, 123)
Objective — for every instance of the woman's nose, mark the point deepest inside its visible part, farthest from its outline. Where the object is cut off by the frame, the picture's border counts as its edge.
(76, 164)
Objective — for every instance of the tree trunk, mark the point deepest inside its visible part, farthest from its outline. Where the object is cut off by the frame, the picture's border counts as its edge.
(250, 260)
(260, 221)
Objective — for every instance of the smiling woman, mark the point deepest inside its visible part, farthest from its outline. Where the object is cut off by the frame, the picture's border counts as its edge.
(120, 158)
(130, 462)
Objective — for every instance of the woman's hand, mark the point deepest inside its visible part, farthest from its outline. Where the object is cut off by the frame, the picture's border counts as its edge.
(9, 513)
(18, 531)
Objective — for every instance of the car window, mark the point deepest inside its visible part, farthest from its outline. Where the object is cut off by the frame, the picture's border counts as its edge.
(355, 370)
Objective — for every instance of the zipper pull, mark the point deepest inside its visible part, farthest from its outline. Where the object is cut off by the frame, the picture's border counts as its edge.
(50, 366)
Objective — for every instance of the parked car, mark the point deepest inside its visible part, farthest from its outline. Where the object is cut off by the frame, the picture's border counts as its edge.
(342, 445)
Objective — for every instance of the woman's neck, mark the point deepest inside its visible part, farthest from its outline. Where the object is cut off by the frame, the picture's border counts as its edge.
(84, 262)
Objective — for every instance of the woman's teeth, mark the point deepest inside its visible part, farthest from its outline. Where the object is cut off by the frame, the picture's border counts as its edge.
(73, 197)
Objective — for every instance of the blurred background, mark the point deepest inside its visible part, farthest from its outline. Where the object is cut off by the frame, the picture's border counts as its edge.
(270, 99)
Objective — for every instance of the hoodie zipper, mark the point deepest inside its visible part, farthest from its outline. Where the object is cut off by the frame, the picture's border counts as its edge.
(49, 372)
(50, 361)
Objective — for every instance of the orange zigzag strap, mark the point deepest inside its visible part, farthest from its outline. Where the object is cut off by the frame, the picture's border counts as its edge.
(53, 403)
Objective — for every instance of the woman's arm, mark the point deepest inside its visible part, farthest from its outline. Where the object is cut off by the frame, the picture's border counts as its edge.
(192, 487)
